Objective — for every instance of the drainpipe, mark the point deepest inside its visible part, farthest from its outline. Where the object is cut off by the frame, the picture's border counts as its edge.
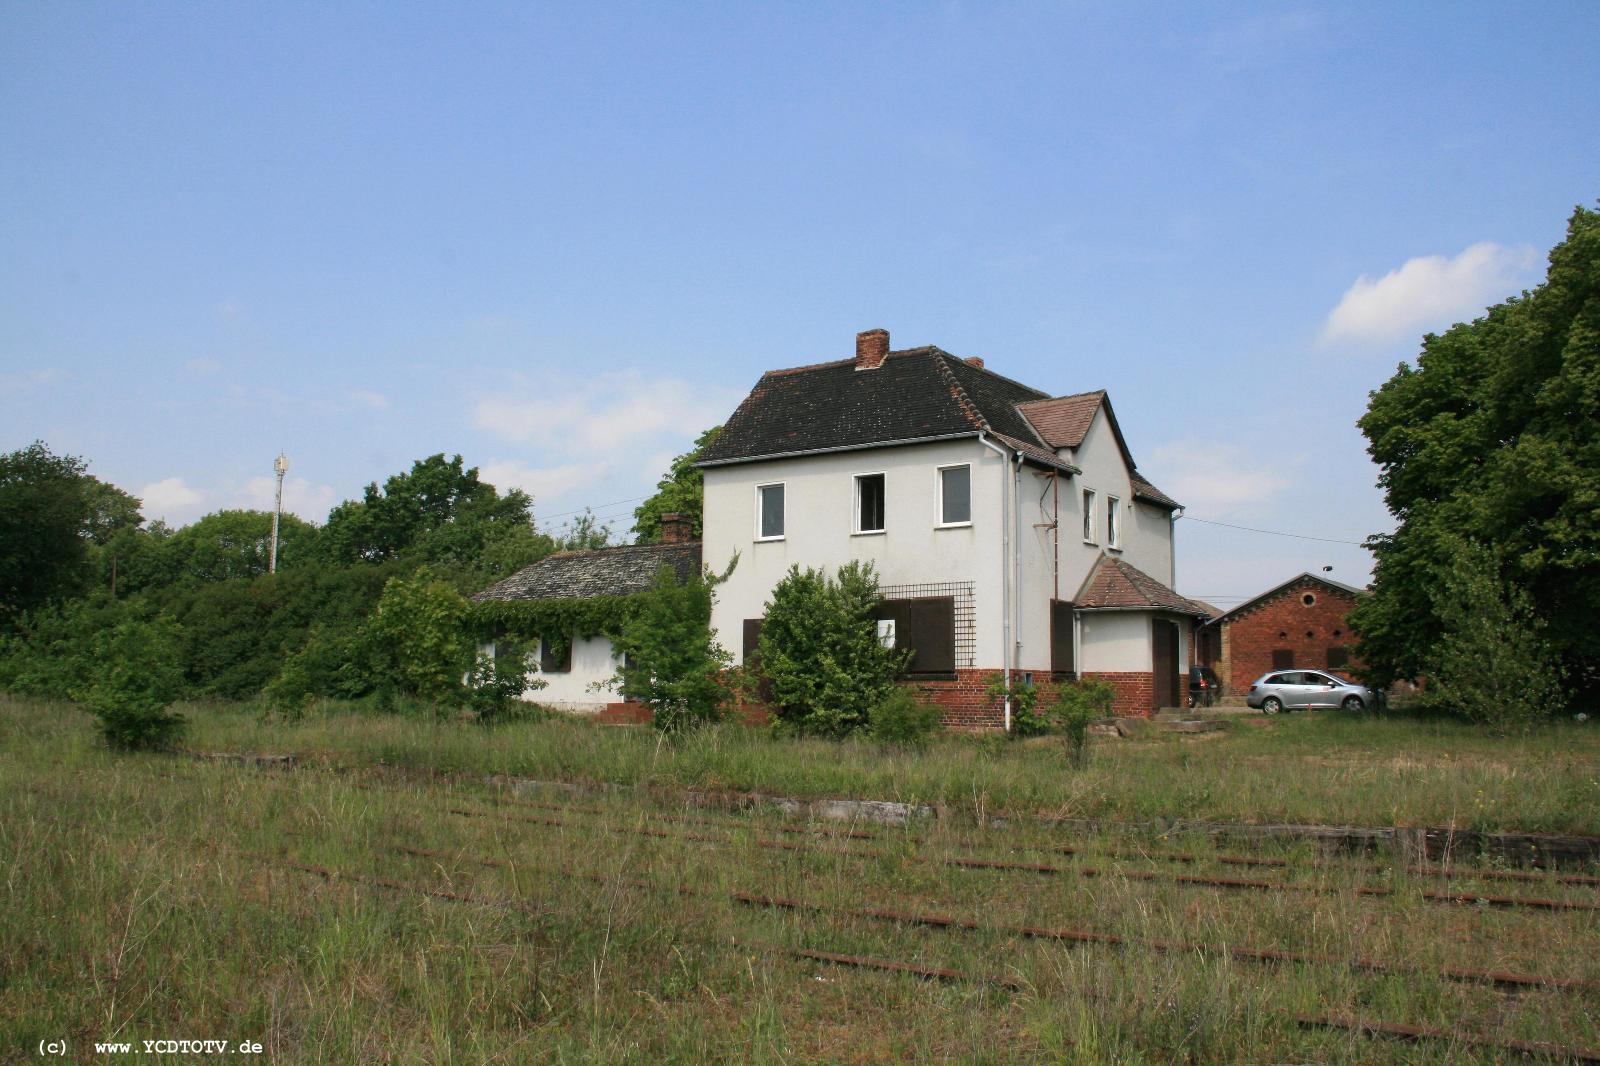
(1005, 566)
(1016, 562)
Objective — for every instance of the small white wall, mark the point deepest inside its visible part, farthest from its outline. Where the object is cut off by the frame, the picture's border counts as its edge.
(1120, 641)
(593, 661)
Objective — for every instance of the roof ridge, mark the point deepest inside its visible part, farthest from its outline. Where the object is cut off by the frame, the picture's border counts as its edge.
(969, 410)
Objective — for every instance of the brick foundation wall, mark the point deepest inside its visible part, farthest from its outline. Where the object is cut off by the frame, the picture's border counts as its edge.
(1135, 696)
(1249, 640)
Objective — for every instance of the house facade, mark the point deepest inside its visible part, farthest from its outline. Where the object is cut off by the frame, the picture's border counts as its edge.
(1011, 530)
(1300, 622)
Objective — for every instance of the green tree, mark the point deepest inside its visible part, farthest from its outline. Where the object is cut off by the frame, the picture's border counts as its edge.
(681, 491)
(820, 650)
(437, 512)
(1492, 664)
(671, 659)
(1494, 436)
(137, 676)
(51, 512)
(237, 544)
(416, 642)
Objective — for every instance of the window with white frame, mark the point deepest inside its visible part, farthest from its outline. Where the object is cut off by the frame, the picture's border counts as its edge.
(1088, 516)
(1113, 526)
(869, 503)
(955, 495)
(769, 512)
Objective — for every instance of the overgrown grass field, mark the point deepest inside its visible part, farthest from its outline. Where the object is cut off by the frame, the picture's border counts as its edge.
(383, 903)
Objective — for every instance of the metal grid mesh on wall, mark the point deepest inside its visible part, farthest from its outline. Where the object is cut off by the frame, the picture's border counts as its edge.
(966, 612)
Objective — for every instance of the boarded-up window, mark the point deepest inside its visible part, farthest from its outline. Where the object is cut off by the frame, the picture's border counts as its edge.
(1282, 658)
(1338, 658)
(555, 656)
(1061, 660)
(927, 626)
(752, 658)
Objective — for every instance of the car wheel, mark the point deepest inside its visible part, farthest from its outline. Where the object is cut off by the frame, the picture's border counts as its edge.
(1354, 704)
(1271, 705)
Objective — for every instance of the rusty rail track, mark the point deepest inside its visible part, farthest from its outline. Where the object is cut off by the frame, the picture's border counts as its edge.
(1232, 883)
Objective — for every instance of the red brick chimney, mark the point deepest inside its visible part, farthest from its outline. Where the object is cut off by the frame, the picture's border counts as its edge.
(872, 347)
(976, 360)
(676, 528)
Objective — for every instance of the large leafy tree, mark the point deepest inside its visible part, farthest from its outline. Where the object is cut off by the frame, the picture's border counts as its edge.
(52, 514)
(682, 491)
(439, 513)
(1494, 437)
(233, 544)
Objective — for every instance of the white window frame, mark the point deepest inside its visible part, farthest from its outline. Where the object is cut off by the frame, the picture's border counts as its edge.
(938, 497)
(1087, 499)
(1113, 524)
(772, 485)
(855, 488)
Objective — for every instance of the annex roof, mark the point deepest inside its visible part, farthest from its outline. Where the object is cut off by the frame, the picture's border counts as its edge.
(1299, 579)
(918, 394)
(595, 572)
(1116, 585)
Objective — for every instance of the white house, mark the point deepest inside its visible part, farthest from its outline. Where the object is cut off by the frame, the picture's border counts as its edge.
(1011, 530)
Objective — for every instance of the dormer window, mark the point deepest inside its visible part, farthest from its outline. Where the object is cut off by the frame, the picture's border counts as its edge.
(1113, 528)
(1088, 516)
(869, 503)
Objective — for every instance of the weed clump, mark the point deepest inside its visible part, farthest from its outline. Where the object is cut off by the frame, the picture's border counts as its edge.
(904, 719)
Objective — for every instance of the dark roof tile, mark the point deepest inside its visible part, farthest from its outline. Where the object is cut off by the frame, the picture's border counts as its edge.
(595, 572)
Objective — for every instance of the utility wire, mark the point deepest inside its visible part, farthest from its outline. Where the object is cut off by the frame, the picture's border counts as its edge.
(1275, 532)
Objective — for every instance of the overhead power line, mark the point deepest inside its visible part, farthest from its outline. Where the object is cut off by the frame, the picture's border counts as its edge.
(1276, 532)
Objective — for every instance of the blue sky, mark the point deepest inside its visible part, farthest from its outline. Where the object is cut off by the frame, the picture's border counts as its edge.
(561, 240)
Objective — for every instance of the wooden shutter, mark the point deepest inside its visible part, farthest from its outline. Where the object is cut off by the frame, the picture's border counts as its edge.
(1338, 658)
(1061, 661)
(1282, 658)
(929, 630)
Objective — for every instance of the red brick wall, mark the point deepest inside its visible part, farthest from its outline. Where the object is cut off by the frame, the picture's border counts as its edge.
(1250, 639)
(1136, 693)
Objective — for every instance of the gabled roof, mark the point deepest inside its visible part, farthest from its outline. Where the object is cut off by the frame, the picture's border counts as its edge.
(1064, 421)
(918, 394)
(1306, 578)
(1116, 585)
(595, 572)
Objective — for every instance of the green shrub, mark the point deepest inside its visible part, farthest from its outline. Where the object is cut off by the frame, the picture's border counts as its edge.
(820, 651)
(1077, 705)
(416, 643)
(1026, 721)
(904, 719)
(670, 658)
(496, 683)
(138, 673)
(1493, 663)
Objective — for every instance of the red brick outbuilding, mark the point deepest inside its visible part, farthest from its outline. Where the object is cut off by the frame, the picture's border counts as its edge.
(1298, 623)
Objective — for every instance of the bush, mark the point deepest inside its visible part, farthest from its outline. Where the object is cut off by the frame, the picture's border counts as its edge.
(1075, 706)
(496, 683)
(1493, 664)
(670, 659)
(904, 719)
(820, 651)
(138, 674)
(416, 644)
(1026, 720)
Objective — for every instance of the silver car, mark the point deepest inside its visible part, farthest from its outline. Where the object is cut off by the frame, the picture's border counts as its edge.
(1295, 690)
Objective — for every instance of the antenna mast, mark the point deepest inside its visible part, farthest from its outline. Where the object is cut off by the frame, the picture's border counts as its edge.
(281, 466)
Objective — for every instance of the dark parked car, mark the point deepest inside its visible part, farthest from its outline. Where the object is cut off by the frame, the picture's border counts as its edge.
(1303, 689)
(1205, 688)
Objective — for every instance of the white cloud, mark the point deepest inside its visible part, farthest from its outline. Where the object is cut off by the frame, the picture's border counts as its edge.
(542, 483)
(375, 400)
(171, 500)
(300, 497)
(608, 414)
(1215, 480)
(1428, 293)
